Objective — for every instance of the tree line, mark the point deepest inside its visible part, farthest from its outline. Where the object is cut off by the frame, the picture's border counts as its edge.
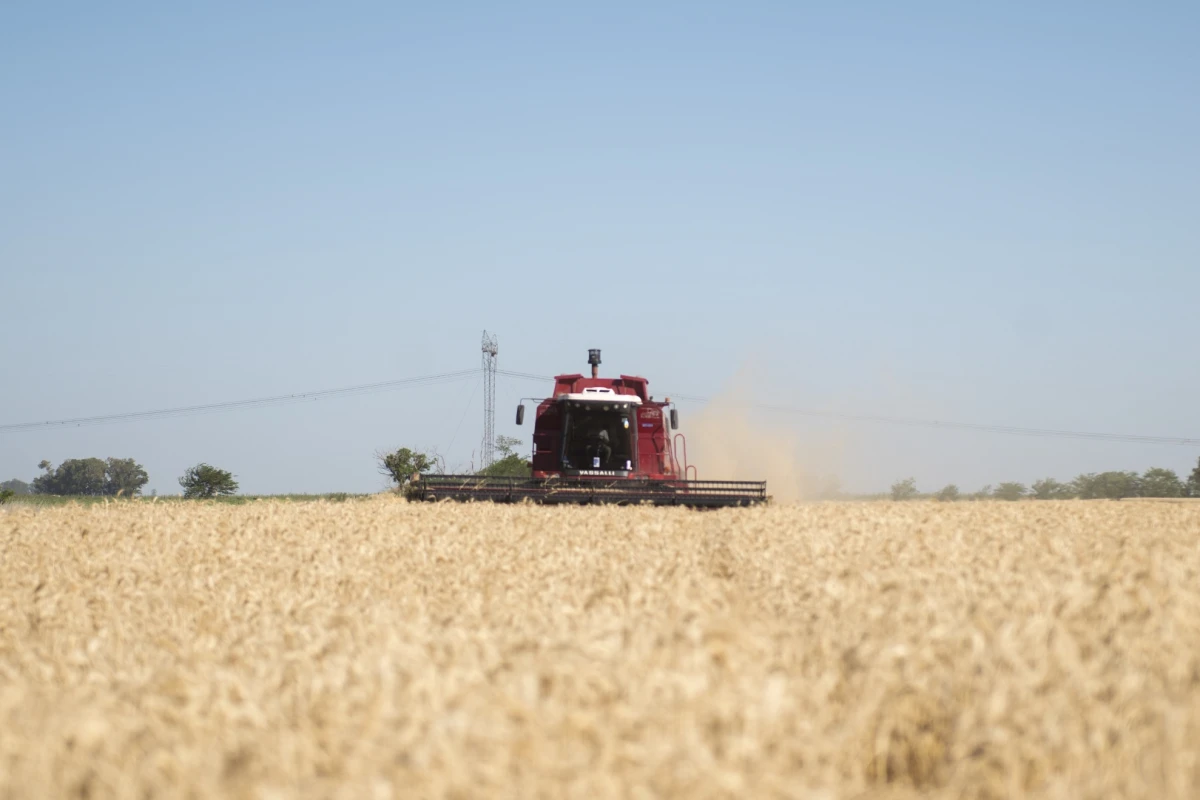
(1154, 482)
(124, 477)
(115, 477)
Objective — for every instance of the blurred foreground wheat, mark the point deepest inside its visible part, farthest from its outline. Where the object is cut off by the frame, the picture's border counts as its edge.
(382, 649)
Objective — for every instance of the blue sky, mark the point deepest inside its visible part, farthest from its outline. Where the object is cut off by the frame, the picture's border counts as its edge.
(922, 209)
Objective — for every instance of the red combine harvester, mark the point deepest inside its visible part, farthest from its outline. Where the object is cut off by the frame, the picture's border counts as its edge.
(600, 440)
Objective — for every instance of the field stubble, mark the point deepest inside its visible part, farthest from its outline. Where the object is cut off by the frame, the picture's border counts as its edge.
(383, 649)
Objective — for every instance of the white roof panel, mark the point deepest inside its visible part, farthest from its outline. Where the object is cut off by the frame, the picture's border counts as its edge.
(601, 395)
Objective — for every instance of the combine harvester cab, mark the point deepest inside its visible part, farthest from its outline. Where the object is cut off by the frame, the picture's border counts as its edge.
(600, 440)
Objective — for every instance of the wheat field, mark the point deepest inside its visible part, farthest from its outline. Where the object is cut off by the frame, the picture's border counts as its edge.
(381, 649)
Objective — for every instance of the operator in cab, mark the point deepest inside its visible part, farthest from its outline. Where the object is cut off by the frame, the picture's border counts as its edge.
(598, 446)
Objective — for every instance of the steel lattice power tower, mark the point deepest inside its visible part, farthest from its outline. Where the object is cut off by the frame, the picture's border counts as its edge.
(490, 348)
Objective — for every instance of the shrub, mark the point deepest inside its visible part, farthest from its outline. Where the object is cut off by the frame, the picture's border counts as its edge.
(948, 494)
(404, 463)
(203, 481)
(1108, 485)
(1050, 489)
(1159, 482)
(510, 464)
(905, 489)
(1010, 491)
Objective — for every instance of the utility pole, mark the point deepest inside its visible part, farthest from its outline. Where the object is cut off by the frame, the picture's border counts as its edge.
(489, 348)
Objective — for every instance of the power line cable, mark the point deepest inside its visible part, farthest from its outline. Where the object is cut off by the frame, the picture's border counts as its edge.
(461, 419)
(1010, 430)
(448, 377)
(236, 405)
(972, 426)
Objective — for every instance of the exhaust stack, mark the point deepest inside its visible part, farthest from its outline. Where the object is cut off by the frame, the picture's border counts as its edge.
(594, 360)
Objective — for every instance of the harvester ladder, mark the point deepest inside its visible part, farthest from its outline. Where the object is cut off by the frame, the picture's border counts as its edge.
(675, 448)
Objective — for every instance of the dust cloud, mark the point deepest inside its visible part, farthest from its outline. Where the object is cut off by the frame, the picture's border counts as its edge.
(730, 439)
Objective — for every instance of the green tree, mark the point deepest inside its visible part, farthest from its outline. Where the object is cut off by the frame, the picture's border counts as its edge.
(948, 494)
(47, 482)
(203, 481)
(124, 477)
(1050, 489)
(1010, 490)
(75, 476)
(6, 495)
(905, 489)
(1159, 482)
(91, 477)
(509, 464)
(507, 445)
(82, 476)
(1108, 485)
(16, 487)
(401, 465)
(1193, 482)
(983, 494)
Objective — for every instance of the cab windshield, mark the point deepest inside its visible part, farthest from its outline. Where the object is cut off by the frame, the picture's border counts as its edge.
(597, 436)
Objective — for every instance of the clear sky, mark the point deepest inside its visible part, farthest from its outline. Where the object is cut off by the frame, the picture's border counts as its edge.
(933, 210)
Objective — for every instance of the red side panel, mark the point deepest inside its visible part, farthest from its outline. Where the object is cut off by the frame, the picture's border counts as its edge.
(637, 386)
(654, 454)
(547, 434)
(565, 384)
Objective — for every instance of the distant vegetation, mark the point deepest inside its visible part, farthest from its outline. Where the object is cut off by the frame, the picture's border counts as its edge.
(1156, 482)
(510, 464)
(204, 481)
(53, 500)
(91, 477)
(401, 465)
(16, 487)
(124, 477)
(112, 478)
